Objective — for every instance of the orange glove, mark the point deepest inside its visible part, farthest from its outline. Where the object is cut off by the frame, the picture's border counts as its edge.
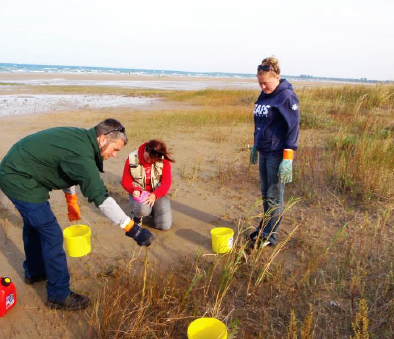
(129, 226)
(142, 236)
(73, 210)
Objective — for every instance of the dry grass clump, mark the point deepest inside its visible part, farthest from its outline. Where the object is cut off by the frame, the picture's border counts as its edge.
(155, 304)
(296, 289)
(212, 97)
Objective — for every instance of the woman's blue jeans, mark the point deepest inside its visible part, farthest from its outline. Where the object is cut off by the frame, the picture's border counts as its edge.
(272, 192)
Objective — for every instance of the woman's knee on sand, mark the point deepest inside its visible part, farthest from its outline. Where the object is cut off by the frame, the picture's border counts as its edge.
(160, 211)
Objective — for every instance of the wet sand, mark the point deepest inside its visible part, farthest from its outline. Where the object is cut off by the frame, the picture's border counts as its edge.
(127, 81)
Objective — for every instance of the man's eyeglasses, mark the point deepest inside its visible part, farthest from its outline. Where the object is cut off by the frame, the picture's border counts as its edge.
(265, 68)
(153, 152)
(120, 129)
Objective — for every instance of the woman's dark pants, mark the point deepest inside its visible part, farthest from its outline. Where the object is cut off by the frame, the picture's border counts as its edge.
(272, 192)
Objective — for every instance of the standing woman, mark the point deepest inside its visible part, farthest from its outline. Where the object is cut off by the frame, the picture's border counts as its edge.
(147, 177)
(276, 120)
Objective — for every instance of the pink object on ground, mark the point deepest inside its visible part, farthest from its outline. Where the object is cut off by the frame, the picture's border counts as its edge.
(142, 197)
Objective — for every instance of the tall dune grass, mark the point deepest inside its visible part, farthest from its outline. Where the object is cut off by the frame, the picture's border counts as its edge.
(358, 154)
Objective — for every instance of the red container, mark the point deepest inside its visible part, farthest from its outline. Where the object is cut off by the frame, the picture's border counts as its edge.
(7, 295)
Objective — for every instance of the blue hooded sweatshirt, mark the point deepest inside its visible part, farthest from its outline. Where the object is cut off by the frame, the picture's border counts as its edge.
(276, 120)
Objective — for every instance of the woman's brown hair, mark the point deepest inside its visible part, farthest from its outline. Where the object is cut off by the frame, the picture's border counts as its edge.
(157, 148)
(273, 64)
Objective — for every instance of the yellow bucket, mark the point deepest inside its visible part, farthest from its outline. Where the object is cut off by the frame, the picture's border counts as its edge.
(222, 239)
(77, 240)
(207, 328)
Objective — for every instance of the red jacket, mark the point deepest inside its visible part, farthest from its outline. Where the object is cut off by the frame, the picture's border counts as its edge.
(165, 182)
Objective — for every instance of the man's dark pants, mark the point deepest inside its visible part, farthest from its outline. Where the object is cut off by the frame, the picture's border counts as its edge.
(43, 242)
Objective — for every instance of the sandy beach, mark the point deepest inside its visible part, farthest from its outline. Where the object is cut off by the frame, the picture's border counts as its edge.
(209, 134)
(25, 110)
(127, 81)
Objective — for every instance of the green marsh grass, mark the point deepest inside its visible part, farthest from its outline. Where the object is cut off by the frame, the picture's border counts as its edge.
(331, 274)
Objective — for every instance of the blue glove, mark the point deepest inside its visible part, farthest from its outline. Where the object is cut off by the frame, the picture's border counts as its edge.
(285, 172)
(253, 155)
(141, 235)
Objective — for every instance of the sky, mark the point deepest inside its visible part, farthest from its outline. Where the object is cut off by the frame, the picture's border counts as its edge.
(336, 38)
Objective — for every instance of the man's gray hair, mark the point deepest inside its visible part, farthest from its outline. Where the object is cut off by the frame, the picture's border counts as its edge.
(113, 129)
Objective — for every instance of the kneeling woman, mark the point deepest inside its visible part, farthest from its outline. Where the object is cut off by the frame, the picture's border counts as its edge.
(147, 177)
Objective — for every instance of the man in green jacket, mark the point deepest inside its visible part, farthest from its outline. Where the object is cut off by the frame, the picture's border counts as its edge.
(54, 159)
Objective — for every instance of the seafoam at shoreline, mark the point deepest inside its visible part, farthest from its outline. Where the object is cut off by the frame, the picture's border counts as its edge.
(16, 105)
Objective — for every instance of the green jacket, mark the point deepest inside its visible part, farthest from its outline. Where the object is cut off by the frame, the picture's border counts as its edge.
(53, 159)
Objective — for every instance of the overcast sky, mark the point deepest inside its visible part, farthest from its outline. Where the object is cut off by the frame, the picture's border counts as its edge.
(332, 38)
